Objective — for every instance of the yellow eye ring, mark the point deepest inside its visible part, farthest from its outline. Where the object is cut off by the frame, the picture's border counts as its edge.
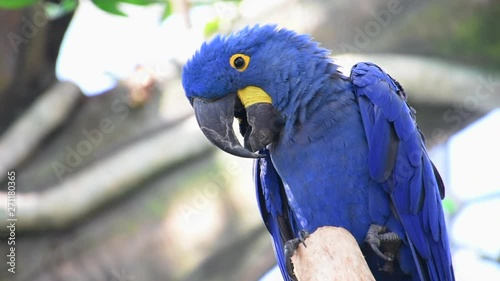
(239, 62)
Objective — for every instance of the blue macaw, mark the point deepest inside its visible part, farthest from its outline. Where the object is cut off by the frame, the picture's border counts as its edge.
(329, 149)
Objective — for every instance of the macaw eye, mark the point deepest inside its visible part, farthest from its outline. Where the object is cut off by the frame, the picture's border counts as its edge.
(239, 62)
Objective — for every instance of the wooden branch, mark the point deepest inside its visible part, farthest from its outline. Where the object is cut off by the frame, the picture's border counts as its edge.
(44, 115)
(108, 179)
(331, 254)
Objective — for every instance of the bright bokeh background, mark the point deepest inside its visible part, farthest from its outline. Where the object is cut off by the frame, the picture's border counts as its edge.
(100, 48)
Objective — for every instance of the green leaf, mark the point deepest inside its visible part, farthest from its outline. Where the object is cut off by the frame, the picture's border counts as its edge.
(139, 2)
(211, 27)
(69, 5)
(167, 11)
(16, 4)
(110, 6)
(54, 10)
(211, 2)
(449, 206)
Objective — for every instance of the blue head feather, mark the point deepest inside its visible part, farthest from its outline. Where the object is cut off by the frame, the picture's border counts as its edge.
(289, 67)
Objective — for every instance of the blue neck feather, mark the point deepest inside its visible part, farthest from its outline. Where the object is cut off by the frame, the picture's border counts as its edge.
(310, 86)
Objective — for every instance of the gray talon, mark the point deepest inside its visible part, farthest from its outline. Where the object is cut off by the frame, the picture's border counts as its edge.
(290, 248)
(378, 237)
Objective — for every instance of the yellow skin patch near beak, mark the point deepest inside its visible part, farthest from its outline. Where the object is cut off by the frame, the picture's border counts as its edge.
(252, 95)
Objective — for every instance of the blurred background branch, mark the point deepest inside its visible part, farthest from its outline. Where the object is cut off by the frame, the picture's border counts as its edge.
(45, 115)
(62, 205)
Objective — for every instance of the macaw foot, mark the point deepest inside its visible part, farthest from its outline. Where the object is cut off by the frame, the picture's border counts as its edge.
(378, 236)
(290, 247)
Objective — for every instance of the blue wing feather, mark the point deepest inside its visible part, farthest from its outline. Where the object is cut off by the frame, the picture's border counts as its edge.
(273, 207)
(379, 154)
(407, 174)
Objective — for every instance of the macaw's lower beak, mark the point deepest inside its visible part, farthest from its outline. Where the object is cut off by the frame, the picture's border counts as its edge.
(264, 126)
(259, 123)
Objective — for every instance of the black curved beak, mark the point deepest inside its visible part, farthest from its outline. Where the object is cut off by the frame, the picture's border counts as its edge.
(260, 124)
(215, 119)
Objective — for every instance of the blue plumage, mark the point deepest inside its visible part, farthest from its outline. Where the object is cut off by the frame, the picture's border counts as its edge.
(273, 206)
(349, 152)
(412, 183)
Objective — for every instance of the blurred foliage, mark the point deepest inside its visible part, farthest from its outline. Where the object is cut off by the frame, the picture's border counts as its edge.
(57, 8)
(223, 10)
(478, 35)
(16, 4)
(113, 6)
(450, 206)
(211, 27)
(167, 11)
(473, 34)
(470, 35)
